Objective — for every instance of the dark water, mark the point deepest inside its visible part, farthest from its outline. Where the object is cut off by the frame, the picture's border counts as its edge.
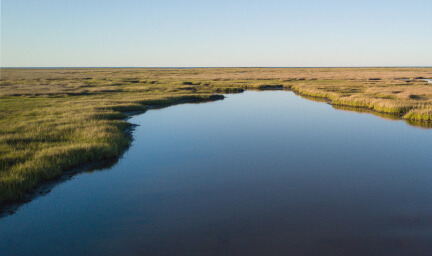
(260, 173)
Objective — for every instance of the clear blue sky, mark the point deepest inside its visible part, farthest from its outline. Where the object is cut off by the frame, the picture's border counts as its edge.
(158, 33)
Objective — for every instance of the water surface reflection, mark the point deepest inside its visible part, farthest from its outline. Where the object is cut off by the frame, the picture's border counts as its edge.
(260, 173)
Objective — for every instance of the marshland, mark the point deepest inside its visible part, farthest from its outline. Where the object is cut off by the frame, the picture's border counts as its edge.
(307, 140)
(56, 119)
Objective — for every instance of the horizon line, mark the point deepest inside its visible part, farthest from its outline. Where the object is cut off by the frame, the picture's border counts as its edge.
(187, 67)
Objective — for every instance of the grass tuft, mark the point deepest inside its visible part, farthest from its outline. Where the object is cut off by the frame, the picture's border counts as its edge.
(52, 120)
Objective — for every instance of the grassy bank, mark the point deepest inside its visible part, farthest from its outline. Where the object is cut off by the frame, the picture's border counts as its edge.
(55, 119)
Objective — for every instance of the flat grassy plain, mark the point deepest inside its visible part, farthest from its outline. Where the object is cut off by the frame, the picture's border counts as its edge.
(52, 120)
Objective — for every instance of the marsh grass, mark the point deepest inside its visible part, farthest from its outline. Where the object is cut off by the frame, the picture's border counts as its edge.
(52, 120)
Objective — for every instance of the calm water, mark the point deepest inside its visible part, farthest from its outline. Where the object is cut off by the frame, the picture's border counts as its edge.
(259, 173)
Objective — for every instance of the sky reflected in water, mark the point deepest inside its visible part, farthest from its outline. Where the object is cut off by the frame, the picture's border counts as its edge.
(259, 173)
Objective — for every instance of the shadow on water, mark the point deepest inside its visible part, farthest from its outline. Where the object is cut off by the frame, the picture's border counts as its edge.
(387, 116)
(103, 165)
(46, 187)
(259, 174)
(391, 117)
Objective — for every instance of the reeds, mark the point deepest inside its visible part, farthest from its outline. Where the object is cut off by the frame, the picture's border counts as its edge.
(52, 120)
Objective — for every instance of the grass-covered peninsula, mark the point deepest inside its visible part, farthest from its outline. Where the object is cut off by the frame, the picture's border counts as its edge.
(52, 120)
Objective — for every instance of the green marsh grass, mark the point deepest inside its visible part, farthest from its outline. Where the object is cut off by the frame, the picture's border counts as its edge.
(52, 120)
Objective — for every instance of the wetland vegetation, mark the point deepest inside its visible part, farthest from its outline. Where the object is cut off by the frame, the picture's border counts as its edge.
(52, 120)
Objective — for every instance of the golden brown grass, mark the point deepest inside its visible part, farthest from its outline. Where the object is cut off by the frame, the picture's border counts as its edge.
(55, 119)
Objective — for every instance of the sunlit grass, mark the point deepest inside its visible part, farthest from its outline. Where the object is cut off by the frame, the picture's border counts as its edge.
(52, 120)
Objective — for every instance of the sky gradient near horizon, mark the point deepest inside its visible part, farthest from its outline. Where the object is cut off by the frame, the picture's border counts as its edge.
(272, 33)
